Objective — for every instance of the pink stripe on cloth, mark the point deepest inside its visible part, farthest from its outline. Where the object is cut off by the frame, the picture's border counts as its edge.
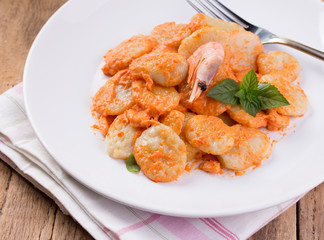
(215, 229)
(110, 233)
(182, 228)
(226, 229)
(138, 225)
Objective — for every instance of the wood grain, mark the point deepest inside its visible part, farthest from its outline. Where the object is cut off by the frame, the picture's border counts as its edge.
(310, 215)
(27, 213)
(21, 204)
(282, 227)
(65, 228)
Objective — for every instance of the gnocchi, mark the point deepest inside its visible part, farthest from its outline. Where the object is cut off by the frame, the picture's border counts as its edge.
(156, 106)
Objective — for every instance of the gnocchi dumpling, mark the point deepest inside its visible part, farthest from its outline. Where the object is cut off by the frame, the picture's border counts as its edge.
(156, 101)
(119, 57)
(115, 96)
(174, 120)
(120, 138)
(251, 147)
(245, 47)
(204, 35)
(292, 92)
(191, 150)
(280, 63)
(201, 20)
(164, 68)
(170, 33)
(241, 116)
(160, 153)
(209, 134)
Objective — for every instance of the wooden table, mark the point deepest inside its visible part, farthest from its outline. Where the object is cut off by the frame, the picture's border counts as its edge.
(27, 213)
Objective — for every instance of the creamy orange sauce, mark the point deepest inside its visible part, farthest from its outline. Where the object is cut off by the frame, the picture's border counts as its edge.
(138, 97)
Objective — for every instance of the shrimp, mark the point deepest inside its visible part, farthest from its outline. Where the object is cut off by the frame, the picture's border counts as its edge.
(203, 66)
(203, 104)
(120, 138)
(170, 33)
(174, 120)
(201, 20)
(160, 153)
(204, 35)
(292, 92)
(281, 63)
(157, 101)
(251, 147)
(122, 55)
(245, 47)
(209, 134)
(164, 68)
(238, 114)
(275, 120)
(115, 96)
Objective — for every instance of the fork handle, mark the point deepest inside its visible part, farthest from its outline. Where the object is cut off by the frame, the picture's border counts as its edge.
(301, 47)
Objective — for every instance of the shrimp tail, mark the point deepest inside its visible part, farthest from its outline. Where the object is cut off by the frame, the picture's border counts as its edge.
(196, 91)
(203, 66)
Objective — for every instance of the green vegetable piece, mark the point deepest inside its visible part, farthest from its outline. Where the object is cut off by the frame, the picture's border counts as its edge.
(131, 164)
(251, 107)
(252, 95)
(225, 92)
(270, 97)
(250, 81)
(241, 94)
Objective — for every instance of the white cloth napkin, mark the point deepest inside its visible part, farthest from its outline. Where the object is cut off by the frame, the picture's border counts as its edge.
(101, 217)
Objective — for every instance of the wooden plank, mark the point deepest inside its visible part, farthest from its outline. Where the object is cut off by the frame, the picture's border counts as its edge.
(25, 212)
(66, 228)
(310, 217)
(281, 228)
(20, 23)
(5, 178)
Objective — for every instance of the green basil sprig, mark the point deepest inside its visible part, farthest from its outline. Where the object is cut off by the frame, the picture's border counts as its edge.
(250, 94)
(131, 164)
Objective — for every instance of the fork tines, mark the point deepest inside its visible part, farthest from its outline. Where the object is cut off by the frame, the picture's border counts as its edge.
(218, 10)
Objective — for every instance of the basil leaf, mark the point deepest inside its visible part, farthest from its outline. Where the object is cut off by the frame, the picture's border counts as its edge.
(241, 94)
(263, 86)
(270, 97)
(225, 92)
(250, 81)
(131, 164)
(252, 107)
(252, 94)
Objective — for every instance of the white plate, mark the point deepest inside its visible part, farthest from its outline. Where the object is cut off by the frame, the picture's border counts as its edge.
(61, 74)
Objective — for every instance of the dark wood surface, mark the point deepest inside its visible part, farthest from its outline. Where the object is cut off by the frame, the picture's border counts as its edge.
(27, 213)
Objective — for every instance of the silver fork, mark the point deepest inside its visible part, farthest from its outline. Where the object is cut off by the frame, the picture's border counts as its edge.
(217, 9)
